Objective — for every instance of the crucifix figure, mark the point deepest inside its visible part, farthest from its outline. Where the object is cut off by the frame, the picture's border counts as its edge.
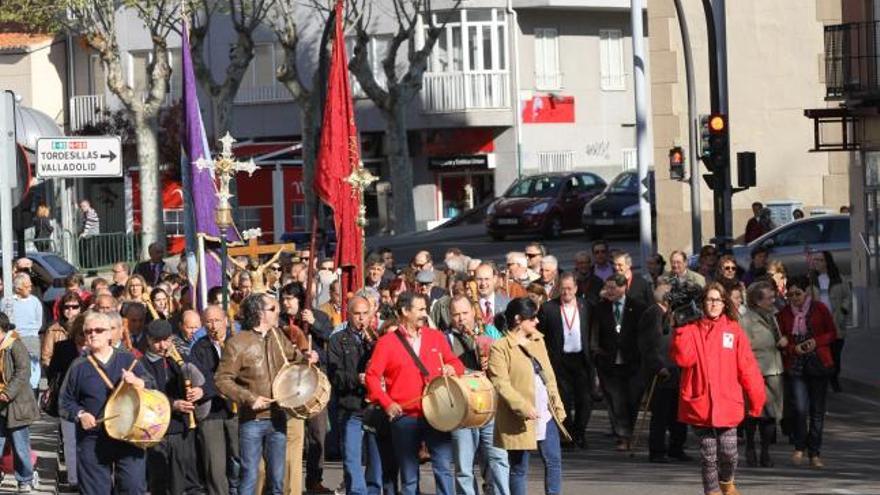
(223, 168)
(253, 250)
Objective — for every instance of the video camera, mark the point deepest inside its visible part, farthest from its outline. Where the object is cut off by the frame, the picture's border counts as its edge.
(685, 302)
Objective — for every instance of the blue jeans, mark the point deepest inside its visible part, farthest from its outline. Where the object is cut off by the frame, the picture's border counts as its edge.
(21, 448)
(551, 454)
(253, 435)
(809, 393)
(357, 482)
(465, 443)
(407, 433)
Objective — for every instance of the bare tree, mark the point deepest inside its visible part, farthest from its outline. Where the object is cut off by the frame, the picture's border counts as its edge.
(246, 16)
(404, 72)
(95, 21)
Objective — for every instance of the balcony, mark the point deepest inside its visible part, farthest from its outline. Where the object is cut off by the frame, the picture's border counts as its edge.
(851, 61)
(262, 94)
(86, 110)
(445, 92)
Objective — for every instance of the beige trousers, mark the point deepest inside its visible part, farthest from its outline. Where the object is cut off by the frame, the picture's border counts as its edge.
(293, 479)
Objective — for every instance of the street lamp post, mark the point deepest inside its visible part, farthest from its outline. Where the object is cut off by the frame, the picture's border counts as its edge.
(223, 168)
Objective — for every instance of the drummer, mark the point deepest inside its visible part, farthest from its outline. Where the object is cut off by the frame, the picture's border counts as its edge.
(171, 465)
(84, 394)
(248, 366)
(405, 376)
(471, 343)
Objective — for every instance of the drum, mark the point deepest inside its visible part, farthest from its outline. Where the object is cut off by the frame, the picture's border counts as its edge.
(302, 390)
(137, 416)
(468, 402)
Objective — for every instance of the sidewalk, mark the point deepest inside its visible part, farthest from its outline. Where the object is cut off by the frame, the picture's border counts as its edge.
(860, 372)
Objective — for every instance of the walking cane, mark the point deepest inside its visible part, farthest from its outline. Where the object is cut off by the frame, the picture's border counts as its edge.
(640, 424)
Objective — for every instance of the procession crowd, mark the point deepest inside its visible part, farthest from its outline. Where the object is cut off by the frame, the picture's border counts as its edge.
(521, 351)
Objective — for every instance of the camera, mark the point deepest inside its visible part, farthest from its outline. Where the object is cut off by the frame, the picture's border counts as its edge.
(684, 299)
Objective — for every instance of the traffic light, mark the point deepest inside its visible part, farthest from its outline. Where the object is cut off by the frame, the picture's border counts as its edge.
(676, 163)
(746, 169)
(715, 146)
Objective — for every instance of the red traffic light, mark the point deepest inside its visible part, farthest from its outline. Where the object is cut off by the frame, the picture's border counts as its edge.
(717, 123)
(676, 156)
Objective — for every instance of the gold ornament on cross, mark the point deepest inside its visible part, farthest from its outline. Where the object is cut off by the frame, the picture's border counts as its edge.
(360, 179)
(223, 168)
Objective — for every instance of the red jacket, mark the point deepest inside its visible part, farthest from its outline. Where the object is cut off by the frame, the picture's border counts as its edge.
(403, 381)
(717, 366)
(819, 321)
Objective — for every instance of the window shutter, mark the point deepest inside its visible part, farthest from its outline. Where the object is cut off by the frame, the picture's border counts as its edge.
(611, 60)
(547, 59)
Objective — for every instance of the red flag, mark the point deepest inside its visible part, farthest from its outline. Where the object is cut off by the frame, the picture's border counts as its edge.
(338, 157)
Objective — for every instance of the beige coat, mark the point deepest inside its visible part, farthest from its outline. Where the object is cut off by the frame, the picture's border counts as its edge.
(55, 333)
(511, 371)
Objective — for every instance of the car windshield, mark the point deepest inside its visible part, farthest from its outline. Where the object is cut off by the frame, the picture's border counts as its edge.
(625, 183)
(535, 187)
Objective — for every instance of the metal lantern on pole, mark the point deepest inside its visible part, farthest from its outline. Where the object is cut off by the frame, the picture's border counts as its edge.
(224, 168)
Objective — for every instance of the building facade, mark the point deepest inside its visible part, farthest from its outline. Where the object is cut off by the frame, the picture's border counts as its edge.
(775, 69)
(511, 88)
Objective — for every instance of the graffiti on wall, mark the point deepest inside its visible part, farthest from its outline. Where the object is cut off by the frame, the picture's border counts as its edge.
(598, 149)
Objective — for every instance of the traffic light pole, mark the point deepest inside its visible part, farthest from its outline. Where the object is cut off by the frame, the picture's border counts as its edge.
(643, 146)
(693, 123)
(716, 26)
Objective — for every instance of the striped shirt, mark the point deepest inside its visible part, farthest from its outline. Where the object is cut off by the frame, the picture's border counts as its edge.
(91, 224)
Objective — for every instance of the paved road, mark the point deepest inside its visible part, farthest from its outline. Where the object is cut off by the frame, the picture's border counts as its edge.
(850, 450)
(472, 239)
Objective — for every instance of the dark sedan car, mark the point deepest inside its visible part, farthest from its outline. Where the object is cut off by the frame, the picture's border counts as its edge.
(543, 204)
(616, 209)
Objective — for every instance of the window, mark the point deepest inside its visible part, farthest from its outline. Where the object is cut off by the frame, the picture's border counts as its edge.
(611, 60)
(249, 218)
(547, 75)
(588, 181)
(98, 79)
(471, 40)
(299, 216)
(799, 234)
(137, 75)
(377, 47)
(173, 220)
(261, 71)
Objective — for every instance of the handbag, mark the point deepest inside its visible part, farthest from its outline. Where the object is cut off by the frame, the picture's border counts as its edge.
(375, 420)
(49, 397)
(813, 365)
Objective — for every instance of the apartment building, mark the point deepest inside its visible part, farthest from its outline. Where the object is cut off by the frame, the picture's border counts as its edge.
(849, 129)
(512, 88)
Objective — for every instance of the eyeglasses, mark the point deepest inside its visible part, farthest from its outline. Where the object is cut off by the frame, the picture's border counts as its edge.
(714, 300)
(532, 255)
(71, 306)
(276, 268)
(90, 331)
(729, 268)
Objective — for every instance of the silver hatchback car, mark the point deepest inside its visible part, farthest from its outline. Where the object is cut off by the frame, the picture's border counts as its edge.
(794, 242)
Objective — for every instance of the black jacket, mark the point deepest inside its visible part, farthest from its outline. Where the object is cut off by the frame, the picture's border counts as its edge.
(347, 357)
(169, 381)
(204, 356)
(654, 338)
(609, 341)
(551, 325)
(641, 290)
(320, 333)
(145, 269)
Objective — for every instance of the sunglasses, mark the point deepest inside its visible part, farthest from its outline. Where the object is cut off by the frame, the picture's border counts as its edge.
(729, 268)
(532, 255)
(90, 331)
(599, 251)
(71, 306)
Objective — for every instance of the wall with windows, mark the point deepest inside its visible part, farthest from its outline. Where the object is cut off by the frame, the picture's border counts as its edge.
(576, 88)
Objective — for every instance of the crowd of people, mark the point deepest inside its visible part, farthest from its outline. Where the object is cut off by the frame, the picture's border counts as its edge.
(711, 348)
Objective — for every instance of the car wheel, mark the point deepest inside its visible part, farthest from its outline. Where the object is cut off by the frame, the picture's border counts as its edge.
(554, 227)
(497, 236)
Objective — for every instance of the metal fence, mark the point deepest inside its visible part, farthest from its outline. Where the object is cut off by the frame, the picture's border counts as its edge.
(93, 253)
(851, 59)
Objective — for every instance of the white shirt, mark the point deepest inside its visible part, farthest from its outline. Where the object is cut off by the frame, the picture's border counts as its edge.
(491, 301)
(542, 406)
(571, 328)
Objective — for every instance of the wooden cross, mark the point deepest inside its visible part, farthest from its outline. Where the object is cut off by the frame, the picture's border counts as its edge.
(254, 250)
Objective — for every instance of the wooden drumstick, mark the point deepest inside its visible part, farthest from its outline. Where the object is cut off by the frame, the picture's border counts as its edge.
(446, 380)
(108, 418)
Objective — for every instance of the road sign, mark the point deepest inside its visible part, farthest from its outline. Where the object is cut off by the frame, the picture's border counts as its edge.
(77, 157)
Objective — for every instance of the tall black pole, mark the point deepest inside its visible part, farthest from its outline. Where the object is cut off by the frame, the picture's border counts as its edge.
(224, 284)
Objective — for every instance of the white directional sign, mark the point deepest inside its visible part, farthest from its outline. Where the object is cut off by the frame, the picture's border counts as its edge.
(75, 157)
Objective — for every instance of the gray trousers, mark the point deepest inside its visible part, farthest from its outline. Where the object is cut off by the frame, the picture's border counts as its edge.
(68, 437)
(218, 448)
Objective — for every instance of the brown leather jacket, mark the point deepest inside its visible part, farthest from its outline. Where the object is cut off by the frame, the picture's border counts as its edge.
(249, 365)
(55, 333)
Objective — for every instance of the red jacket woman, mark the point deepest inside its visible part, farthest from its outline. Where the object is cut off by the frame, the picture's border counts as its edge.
(820, 321)
(717, 366)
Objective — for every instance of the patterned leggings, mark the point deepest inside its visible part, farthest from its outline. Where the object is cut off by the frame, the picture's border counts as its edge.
(717, 456)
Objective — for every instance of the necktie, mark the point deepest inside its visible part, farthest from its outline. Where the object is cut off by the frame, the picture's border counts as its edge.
(617, 312)
(487, 314)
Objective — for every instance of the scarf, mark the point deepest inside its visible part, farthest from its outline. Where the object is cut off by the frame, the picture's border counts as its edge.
(800, 317)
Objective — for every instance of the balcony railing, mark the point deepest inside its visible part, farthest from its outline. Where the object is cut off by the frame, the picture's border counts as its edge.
(86, 110)
(262, 94)
(463, 91)
(851, 60)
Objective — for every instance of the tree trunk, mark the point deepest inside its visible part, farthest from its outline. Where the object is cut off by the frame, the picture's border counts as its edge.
(223, 106)
(400, 169)
(309, 156)
(146, 129)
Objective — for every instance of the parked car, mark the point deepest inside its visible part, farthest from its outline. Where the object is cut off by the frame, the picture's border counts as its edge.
(793, 242)
(617, 208)
(543, 204)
